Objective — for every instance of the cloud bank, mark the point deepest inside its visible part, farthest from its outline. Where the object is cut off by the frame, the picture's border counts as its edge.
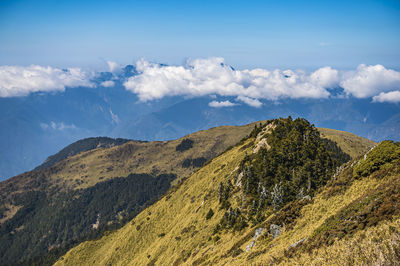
(368, 81)
(390, 97)
(212, 76)
(20, 81)
(201, 77)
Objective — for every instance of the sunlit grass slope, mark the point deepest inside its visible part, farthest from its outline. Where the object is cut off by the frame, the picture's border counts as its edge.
(157, 157)
(171, 229)
(100, 189)
(350, 143)
(175, 230)
(88, 168)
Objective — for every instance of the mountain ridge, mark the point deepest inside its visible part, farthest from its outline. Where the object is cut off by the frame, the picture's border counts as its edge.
(81, 146)
(39, 125)
(60, 188)
(181, 227)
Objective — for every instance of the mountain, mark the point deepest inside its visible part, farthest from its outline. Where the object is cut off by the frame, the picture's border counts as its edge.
(94, 185)
(81, 146)
(38, 125)
(374, 121)
(288, 202)
(99, 184)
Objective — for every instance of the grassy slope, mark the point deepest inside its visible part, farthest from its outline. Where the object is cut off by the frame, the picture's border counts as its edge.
(375, 246)
(88, 168)
(351, 144)
(83, 171)
(174, 230)
(152, 157)
(81, 146)
(176, 215)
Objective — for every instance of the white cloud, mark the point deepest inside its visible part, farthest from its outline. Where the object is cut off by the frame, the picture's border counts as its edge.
(212, 76)
(249, 101)
(368, 81)
(20, 81)
(201, 77)
(325, 77)
(57, 126)
(390, 97)
(114, 117)
(113, 66)
(108, 83)
(217, 104)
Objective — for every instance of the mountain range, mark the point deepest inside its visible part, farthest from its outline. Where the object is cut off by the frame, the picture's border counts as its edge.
(36, 126)
(273, 191)
(94, 185)
(257, 206)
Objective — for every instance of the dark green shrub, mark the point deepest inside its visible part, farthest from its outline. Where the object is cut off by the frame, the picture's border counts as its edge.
(185, 144)
(385, 153)
(209, 214)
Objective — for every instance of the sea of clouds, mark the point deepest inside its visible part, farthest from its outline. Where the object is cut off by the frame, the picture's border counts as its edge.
(212, 76)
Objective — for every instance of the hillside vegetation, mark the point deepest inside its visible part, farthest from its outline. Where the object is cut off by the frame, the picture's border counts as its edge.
(81, 146)
(73, 197)
(158, 157)
(222, 215)
(351, 144)
(98, 184)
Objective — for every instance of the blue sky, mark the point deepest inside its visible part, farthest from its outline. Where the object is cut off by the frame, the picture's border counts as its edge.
(248, 34)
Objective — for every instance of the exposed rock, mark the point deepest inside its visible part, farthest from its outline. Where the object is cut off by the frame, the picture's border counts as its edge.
(261, 141)
(239, 180)
(275, 230)
(243, 202)
(365, 155)
(266, 129)
(250, 246)
(261, 144)
(234, 170)
(307, 197)
(257, 234)
(297, 243)
(96, 225)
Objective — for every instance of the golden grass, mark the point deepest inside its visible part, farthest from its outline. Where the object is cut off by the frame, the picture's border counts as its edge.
(350, 143)
(180, 214)
(378, 245)
(175, 231)
(88, 168)
(157, 157)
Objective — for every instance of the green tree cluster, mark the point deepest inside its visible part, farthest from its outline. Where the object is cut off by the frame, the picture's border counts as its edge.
(297, 163)
(56, 220)
(386, 153)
